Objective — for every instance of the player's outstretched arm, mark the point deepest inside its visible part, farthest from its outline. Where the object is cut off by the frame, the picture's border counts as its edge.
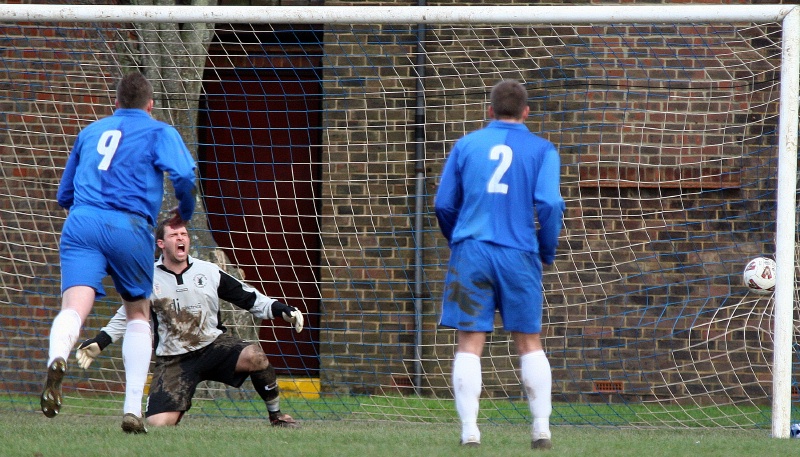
(91, 348)
(246, 297)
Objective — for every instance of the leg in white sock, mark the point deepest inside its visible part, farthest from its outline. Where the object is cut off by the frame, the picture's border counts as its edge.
(537, 379)
(136, 352)
(63, 334)
(76, 304)
(467, 392)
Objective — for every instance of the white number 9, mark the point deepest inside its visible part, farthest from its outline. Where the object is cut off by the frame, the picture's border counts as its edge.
(107, 147)
(503, 153)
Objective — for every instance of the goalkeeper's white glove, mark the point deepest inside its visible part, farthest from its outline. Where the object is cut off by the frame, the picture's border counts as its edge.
(91, 348)
(290, 314)
(295, 318)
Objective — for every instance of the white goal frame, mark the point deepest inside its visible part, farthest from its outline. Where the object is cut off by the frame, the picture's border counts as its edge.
(788, 15)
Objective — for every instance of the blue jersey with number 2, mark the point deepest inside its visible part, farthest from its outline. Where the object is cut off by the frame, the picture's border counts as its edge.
(118, 163)
(495, 181)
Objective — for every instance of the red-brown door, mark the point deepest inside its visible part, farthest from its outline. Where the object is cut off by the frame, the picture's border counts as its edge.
(260, 167)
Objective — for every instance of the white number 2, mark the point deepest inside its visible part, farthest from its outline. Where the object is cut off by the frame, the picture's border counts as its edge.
(503, 153)
(107, 147)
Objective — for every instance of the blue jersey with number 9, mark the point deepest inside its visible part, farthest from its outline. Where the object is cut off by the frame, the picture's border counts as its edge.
(495, 181)
(118, 163)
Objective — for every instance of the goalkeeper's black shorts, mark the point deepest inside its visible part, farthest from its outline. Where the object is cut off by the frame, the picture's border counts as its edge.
(175, 378)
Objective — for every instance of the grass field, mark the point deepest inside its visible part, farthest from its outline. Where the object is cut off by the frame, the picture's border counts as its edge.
(32, 435)
(367, 408)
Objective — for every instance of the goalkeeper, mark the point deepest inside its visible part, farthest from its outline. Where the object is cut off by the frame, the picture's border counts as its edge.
(192, 345)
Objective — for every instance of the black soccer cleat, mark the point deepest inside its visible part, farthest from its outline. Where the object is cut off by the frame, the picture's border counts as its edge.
(542, 442)
(283, 420)
(51, 395)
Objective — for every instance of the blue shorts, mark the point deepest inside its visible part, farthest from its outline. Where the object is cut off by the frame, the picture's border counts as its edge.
(484, 277)
(96, 243)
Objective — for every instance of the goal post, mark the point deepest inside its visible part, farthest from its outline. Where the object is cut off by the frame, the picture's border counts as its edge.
(320, 133)
(785, 243)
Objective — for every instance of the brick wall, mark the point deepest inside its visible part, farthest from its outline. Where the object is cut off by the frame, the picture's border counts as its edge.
(42, 112)
(624, 160)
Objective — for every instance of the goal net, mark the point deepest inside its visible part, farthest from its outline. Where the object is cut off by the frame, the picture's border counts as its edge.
(320, 134)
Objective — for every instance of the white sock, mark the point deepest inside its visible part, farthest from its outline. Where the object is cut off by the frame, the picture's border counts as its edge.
(63, 334)
(467, 392)
(273, 406)
(136, 352)
(538, 382)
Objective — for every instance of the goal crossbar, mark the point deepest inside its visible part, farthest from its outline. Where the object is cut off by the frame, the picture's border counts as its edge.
(401, 14)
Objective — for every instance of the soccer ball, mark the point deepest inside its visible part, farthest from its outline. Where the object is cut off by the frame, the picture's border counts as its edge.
(759, 275)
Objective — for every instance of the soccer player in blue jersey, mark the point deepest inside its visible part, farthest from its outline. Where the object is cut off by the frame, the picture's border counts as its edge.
(113, 186)
(497, 183)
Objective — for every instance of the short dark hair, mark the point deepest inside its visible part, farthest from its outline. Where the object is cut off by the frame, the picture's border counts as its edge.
(134, 91)
(161, 228)
(509, 99)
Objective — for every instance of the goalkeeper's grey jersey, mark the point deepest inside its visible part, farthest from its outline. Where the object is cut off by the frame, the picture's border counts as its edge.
(185, 307)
